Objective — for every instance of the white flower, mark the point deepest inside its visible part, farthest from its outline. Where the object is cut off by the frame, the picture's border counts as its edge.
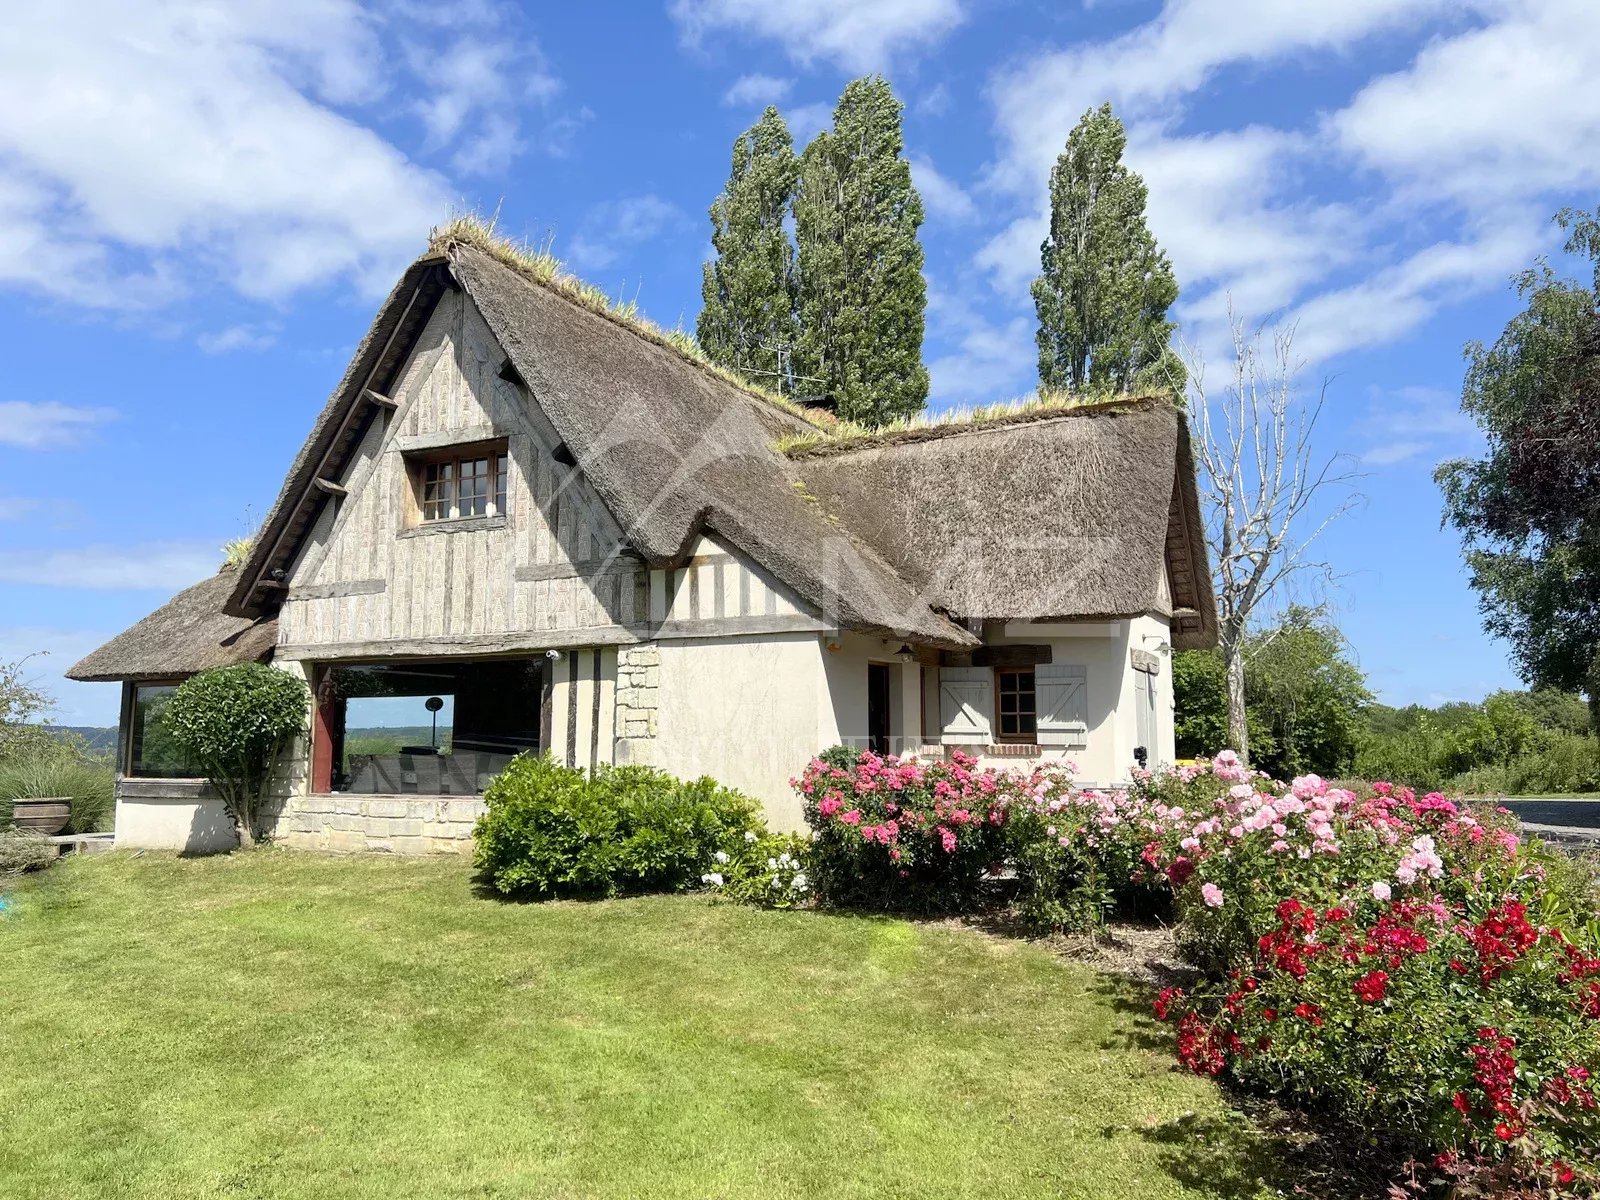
(772, 864)
(783, 859)
(749, 836)
(714, 878)
(776, 882)
(800, 882)
(721, 856)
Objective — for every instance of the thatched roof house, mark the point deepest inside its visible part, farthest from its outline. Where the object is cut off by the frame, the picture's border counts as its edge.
(578, 536)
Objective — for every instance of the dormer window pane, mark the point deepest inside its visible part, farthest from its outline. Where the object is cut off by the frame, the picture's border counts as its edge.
(464, 486)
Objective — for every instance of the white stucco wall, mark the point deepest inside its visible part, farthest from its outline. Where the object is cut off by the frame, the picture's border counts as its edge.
(747, 711)
(172, 814)
(1103, 649)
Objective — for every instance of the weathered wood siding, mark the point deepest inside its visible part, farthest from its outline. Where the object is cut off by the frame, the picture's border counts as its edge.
(549, 573)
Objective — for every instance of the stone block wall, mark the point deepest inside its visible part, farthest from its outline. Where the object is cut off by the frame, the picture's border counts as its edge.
(380, 824)
(638, 702)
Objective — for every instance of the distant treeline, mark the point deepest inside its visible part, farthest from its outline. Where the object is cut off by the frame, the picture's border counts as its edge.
(1310, 711)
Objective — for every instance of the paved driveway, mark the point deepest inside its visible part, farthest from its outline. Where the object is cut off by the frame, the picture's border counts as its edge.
(1584, 814)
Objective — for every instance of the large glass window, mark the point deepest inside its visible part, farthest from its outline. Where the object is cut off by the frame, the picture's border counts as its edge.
(152, 751)
(433, 728)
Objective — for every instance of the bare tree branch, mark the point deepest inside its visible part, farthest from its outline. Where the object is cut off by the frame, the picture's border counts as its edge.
(1261, 482)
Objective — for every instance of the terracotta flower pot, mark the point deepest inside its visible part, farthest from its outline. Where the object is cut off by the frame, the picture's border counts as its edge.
(48, 816)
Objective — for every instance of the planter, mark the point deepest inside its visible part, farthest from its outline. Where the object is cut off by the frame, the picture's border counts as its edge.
(48, 815)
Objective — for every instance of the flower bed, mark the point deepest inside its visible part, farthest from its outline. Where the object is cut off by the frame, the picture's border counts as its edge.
(1400, 961)
(1410, 964)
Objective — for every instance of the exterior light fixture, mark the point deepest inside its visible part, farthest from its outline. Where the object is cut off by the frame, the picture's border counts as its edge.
(906, 654)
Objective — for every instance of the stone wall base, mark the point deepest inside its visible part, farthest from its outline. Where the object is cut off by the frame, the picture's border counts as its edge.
(379, 824)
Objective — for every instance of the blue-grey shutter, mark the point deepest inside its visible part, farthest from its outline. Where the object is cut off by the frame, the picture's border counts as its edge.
(1062, 695)
(966, 706)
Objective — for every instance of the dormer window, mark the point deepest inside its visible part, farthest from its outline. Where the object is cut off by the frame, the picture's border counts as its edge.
(461, 484)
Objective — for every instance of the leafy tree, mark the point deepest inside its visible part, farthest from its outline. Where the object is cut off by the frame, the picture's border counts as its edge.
(1308, 694)
(1528, 511)
(1306, 698)
(749, 288)
(1105, 288)
(861, 298)
(235, 723)
(22, 705)
(1200, 705)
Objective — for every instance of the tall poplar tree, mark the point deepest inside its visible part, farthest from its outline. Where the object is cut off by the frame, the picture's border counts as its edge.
(747, 320)
(862, 299)
(1104, 292)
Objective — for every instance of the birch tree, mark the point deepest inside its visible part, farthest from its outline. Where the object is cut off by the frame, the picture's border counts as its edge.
(1268, 493)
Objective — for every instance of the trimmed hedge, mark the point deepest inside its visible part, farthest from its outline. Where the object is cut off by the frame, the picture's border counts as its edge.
(551, 831)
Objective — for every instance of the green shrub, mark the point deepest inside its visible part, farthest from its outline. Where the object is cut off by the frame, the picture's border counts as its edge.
(1564, 763)
(768, 872)
(234, 723)
(88, 788)
(24, 850)
(553, 831)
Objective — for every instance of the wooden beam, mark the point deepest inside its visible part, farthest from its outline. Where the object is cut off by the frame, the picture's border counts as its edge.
(379, 399)
(1010, 656)
(329, 486)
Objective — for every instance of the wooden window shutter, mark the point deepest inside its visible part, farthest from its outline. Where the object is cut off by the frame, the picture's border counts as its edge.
(1063, 697)
(966, 706)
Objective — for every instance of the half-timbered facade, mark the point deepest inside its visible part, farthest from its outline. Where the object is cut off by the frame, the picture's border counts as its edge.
(524, 524)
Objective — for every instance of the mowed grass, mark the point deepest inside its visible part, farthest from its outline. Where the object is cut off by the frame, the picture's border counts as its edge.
(287, 1025)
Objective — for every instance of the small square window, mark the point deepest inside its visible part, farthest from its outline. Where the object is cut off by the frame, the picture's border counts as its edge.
(462, 486)
(1016, 709)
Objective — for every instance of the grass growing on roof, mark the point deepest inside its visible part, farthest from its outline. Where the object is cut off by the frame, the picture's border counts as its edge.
(470, 229)
(847, 435)
(290, 1025)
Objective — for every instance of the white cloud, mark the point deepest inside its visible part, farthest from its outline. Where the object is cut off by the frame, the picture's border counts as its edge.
(1504, 111)
(159, 566)
(759, 90)
(238, 337)
(857, 35)
(1411, 423)
(1490, 117)
(14, 508)
(615, 227)
(986, 361)
(805, 121)
(475, 88)
(35, 425)
(1170, 57)
(943, 197)
(1395, 300)
(142, 146)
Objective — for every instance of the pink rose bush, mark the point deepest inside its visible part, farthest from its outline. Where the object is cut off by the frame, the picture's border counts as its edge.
(893, 833)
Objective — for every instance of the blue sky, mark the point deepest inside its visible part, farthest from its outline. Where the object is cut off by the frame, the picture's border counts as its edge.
(201, 204)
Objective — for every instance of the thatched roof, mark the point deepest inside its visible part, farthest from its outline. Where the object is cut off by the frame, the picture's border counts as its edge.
(1066, 513)
(905, 535)
(672, 448)
(188, 633)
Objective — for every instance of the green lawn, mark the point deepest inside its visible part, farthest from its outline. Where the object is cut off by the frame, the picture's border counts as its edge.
(286, 1025)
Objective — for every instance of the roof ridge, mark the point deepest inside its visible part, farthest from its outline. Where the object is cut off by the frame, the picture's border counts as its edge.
(985, 420)
(547, 271)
